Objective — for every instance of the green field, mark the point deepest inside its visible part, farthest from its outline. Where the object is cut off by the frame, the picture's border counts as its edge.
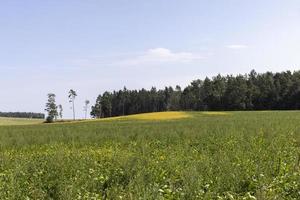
(6, 121)
(203, 155)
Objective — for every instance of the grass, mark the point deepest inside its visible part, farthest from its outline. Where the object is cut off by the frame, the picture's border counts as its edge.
(199, 155)
(6, 121)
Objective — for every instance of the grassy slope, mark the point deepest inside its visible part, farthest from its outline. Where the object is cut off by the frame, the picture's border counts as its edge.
(7, 121)
(236, 154)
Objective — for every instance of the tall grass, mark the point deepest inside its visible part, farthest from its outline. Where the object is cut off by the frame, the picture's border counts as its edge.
(238, 155)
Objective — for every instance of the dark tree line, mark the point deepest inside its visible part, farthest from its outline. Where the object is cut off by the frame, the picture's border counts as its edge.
(253, 91)
(23, 115)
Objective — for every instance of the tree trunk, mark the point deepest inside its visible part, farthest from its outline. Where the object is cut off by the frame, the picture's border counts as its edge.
(73, 110)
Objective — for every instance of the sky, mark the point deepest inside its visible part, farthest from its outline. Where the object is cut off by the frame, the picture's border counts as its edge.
(91, 46)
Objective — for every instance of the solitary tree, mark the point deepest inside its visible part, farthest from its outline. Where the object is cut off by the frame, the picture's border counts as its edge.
(51, 108)
(72, 96)
(60, 111)
(86, 106)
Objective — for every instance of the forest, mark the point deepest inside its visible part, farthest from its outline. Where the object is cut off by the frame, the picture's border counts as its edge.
(23, 115)
(253, 91)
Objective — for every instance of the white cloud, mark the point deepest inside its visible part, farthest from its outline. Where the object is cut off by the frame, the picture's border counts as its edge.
(237, 46)
(161, 55)
(155, 56)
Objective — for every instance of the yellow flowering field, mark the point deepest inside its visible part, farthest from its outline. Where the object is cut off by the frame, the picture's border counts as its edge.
(153, 116)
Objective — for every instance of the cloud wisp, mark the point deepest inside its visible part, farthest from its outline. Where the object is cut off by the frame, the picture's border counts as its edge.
(159, 56)
(155, 56)
(237, 46)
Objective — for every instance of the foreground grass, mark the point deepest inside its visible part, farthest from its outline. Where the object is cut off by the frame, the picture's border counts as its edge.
(231, 155)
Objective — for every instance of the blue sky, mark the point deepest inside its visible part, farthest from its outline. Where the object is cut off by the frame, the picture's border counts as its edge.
(96, 45)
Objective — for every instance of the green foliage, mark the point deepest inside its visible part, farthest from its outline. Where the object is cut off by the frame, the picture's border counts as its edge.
(266, 91)
(239, 155)
(51, 108)
(49, 119)
(29, 115)
(60, 111)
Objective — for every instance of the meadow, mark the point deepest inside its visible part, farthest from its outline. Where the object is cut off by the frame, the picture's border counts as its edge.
(171, 155)
(7, 121)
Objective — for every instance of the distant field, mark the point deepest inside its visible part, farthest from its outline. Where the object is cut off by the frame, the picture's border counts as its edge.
(18, 121)
(151, 116)
(170, 155)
